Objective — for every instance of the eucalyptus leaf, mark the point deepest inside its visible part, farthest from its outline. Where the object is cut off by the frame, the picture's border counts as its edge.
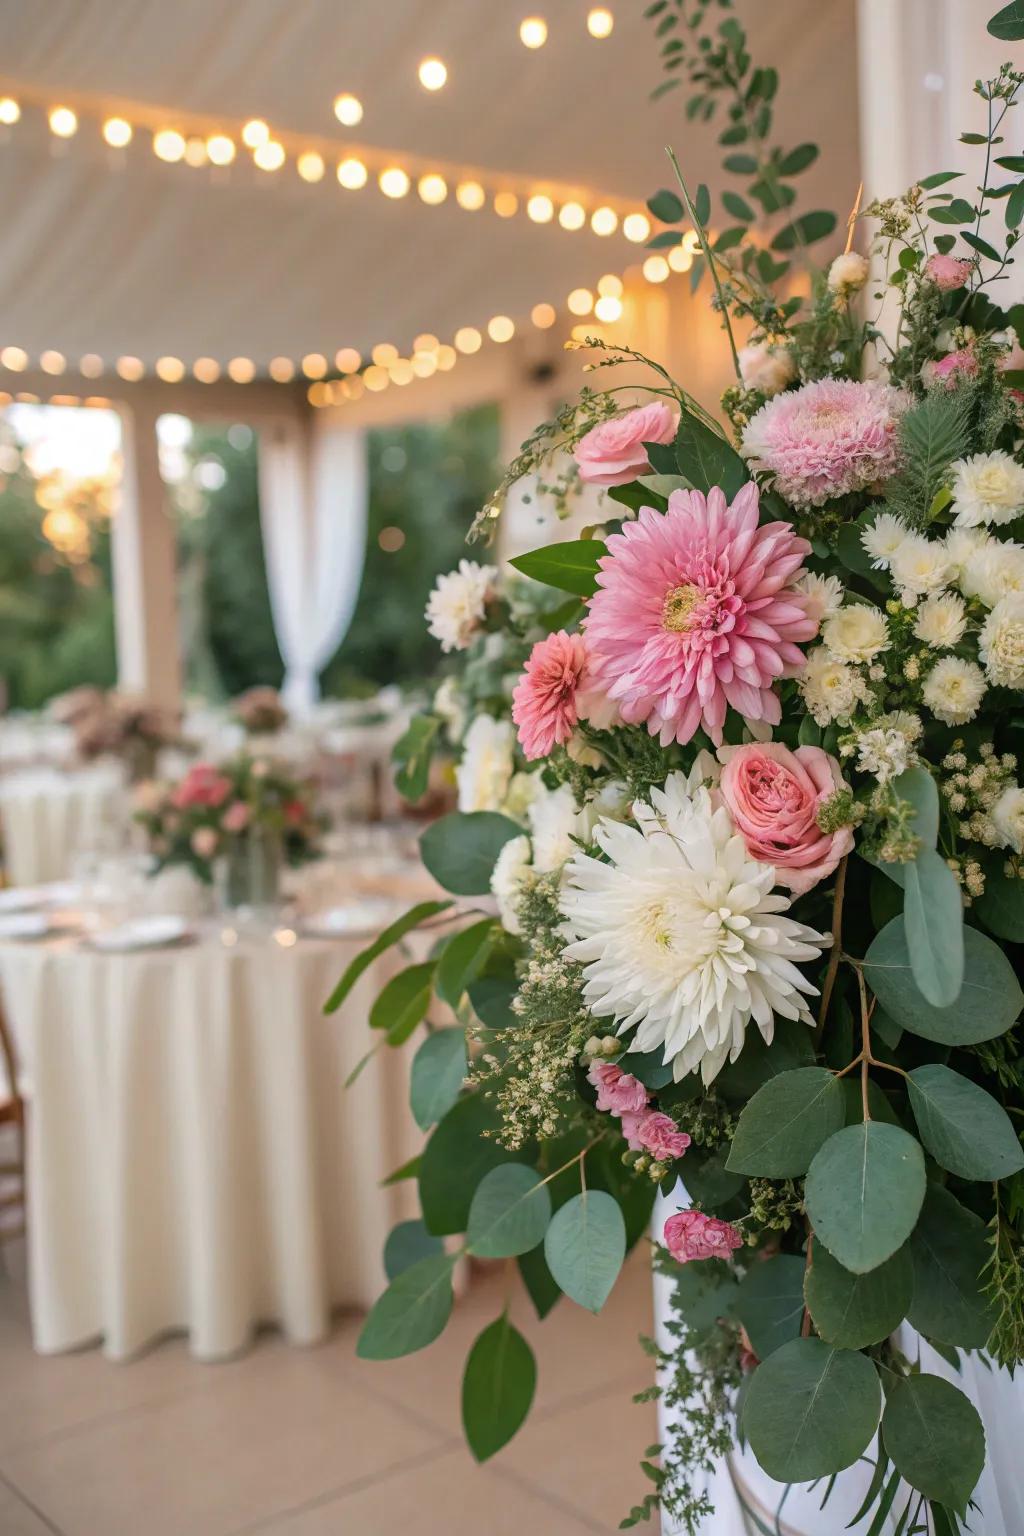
(805, 230)
(786, 1122)
(462, 958)
(853, 1311)
(864, 1193)
(585, 1245)
(950, 1250)
(963, 1127)
(509, 1213)
(811, 1410)
(934, 1437)
(1008, 24)
(1001, 905)
(458, 1155)
(497, 1388)
(933, 915)
(438, 1070)
(391, 935)
(989, 1001)
(792, 1046)
(460, 850)
(918, 788)
(404, 1002)
(407, 1244)
(412, 753)
(770, 1302)
(412, 1311)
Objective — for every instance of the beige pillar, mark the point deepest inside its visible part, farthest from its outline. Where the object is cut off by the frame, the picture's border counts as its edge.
(145, 567)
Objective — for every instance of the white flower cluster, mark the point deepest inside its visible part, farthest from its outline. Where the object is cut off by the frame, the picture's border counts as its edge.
(888, 746)
(456, 607)
(853, 635)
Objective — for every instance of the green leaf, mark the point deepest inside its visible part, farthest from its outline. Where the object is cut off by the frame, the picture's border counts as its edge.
(770, 1302)
(404, 1002)
(864, 1192)
(1008, 24)
(934, 1437)
(933, 915)
(409, 1170)
(989, 1001)
(412, 1311)
(666, 207)
(707, 459)
(462, 958)
(950, 1250)
(918, 788)
(438, 1070)
(571, 566)
(460, 850)
(1015, 206)
(497, 1388)
(455, 1159)
(983, 247)
(413, 752)
(702, 204)
(741, 165)
(798, 159)
(959, 211)
(853, 1311)
(932, 434)
(811, 1410)
(702, 1293)
(1011, 162)
(792, 1046)
(1001, 906)
(585, 1245)
(786, 1122)
(939, 179)
(963, 1127)
(398, 929)
(509, 1214)
(407, 1244)
(805, 230)
(707, 1180)
(491, 1000)
(542, 1288)
(738, 207)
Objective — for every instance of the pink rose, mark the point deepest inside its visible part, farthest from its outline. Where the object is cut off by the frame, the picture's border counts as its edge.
(773, 795)
(950, 368)
(617, 1091)
(236, 817)
(947, 272)
(692, 1235)
(659, 1135)
(613, 452)
(202, 785)
(203, 842)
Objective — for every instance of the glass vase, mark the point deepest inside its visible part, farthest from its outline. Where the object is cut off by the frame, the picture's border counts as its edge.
(252, 872)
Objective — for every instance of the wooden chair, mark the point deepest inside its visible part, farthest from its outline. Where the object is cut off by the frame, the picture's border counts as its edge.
(12, 1112)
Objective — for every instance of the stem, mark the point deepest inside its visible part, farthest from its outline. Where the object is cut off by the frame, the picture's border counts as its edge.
(577, 1159)
(805, 1321)
(865, 1041)
(705, 247)
(835, 955)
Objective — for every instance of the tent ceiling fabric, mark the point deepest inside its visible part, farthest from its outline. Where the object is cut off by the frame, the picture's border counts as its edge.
(108, 254)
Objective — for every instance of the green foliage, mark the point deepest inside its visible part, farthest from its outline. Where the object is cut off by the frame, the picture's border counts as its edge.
(706, 458)
(460, 1152)
(853, 1311)
(1008, 24)
(509, 1213)
(933, 917)
(932, 434)
(570, 566)
(413, 753)
(786, 1122)
(1001, 906)
(462, 959)
(404, 1002)
(461, 849)
(407, 1244)
(585, 1246)
(792, 1046)
(770, 1302)
(962, 1126)
(805, 230)
(950, 1252)
(384, 941)
(438, 1070)
(864, 1192)
(811, 1410)
(497, 1388)
(412, 1311)
(989, 1000)
(935, 1439)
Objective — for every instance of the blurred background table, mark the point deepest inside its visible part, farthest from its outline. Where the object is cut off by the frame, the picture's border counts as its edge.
(49, 814)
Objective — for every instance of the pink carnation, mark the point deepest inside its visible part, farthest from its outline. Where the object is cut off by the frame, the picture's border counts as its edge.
(949, 370)
(617, 1092)
(613, 452)
(658, 1134)
(202, 785)
(692, 1235)
(827, 439)
(544, 699)
(696, 610)
(947, 272)
(773, 795)
(236, 817)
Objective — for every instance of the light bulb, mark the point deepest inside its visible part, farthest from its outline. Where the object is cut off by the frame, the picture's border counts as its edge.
(269, 156)
(636, 227)
(433, 189)
(310, 166)
(314, 365)
(580, 301)
(220, 149)
(600, 22)
(533, 32)
(348, 109)
(572, 216)
(543, 316)
(656, 269)
(255, 133)
(281, 369)
(608, 309)
(468, 339)
(500, 328)
(470, 195)
(433, 74)
(63, 122)
(117, 131)
(9, 111)
(352, 174)
(242, 370)
(393, 182)
(604, 221)
(347, 360)
(540, 209)
(169, 145)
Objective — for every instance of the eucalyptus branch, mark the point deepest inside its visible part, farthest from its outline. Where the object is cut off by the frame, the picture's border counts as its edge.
(712, 267)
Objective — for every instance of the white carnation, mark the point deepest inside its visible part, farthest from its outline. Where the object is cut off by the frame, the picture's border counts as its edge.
(508, 878)
(961, 544)
(883, 539)
(823, 595)
(554, 822)
(848, 272)
(857, 633)
(993, 571)
(920, 565)
(455, 609)
(484, 774)
(987, 488)
(1001, 642)
(941, 621)
(953, 690)
(766, 367)
(681, 934)
(1008, 818)
(884, 752)
(831, 688)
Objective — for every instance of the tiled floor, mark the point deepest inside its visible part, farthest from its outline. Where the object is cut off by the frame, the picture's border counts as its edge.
(313, 1442)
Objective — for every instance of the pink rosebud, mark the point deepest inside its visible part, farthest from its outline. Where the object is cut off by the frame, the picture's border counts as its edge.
(947, 272)
(691, 1235)
(617, 1091)
(203, 842)
(658, 1134)
(236, 817)
(773, 796)
(612, 453)
(950, 369)
(629, 1125)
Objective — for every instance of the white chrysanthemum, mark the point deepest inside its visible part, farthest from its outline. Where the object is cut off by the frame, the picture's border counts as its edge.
(508, 878)
(681, 933)
(993, 571)
(449, 705)
(831, 688)
(941, 621)
(554, 822)
(961, 544)
(883, 539)
(848, 273)
(920, 565)
(954, 689)
(823, 595)
(1008, 818)
(987, 488)
(857, 633)
(1001, 642)
(887, 749)
(484, 774)
(455, 609)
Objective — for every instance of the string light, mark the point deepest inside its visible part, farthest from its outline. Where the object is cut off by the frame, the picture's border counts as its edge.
(310, 166)
(446, 358)
(543, 316)
(501, 328)
(91, 365)
(656, 269)
(195, 152)
(433, 189)
(468, 339)
(401, 372)
(347, 360)
(604, 221)
(427, 342)
(600, 22)
(424, 364)
(506, 205)
(348, 109)
(533, 32)
(680, 259)
(393, 182)
(384, 353)
(170, 369)
(254, 133)
(376, 378)
(580, 301)
(52, 362)
(352, 174)
(636, 227)
(117, 132)
(433, 74)
(269, 156)
(608, 309)
(610, 286)
(470, 195)
(169, 145)
(9, 111)
(242, 370)
(540, 209)
(314, 365)
(130, 368)
(220, 149)
(63, 122)
(206, 370)
(572, 215)
(281, 369)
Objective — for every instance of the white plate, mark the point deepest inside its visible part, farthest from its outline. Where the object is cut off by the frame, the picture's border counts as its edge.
(24, 925)
(141, 933)
(368, 915)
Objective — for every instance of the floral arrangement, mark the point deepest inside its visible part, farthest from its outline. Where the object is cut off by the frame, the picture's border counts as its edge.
(751, 815)
(215, 809)
(260, 711)
(117, 724)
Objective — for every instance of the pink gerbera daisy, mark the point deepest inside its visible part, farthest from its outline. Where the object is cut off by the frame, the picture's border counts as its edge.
(696, 609)
(544, 699)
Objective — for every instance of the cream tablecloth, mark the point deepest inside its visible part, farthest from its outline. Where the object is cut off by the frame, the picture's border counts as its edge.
(195, 1161)
(49, 814)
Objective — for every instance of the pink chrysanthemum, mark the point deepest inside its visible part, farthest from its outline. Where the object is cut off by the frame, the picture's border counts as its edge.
(544, 699)
(827, 439)
(696, 609)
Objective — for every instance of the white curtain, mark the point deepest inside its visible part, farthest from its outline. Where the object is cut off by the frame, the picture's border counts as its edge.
(313, 501)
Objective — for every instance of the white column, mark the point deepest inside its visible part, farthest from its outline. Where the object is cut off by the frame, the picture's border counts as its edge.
(145, 567)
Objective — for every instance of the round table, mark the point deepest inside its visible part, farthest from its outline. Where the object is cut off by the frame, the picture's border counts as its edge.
(195, 1161)
(49, 814)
